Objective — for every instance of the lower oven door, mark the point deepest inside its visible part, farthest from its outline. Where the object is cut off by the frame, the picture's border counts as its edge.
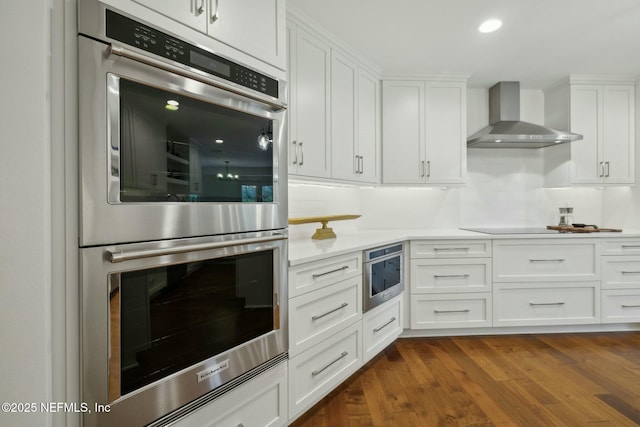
(165, 323)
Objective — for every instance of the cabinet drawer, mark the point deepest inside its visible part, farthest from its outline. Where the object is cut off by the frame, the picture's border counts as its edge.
(317, 371)
(317, 315)
(545, 260)
(621, 247)
(620, 272)
(549, 304)
(446, 275)
(619, 306)
(450, 248)
(381, 326)
(450, 311)
(314, 275)
(259, 402)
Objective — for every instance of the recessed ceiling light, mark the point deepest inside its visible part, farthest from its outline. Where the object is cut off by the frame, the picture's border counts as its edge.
(490, 25)
(219, 141)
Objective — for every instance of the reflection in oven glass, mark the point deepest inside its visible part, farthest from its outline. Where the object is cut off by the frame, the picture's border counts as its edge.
(173, 317)
(385, 274)
(180, 149)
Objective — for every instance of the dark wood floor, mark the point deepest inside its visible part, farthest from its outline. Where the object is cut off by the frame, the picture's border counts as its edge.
(524, 380)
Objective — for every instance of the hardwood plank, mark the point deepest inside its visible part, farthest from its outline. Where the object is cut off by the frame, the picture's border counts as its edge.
(521, 380)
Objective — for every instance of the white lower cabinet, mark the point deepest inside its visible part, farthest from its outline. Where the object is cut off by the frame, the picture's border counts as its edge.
(257, 403)
(450, 284)
(463, 310)
(318, 370)
(381, 326)
(621, 281)
(555, 303)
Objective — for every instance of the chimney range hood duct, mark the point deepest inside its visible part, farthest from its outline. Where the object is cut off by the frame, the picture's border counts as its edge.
(507, 131)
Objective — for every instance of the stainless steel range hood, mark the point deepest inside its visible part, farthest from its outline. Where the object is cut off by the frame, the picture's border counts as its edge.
(507, 131)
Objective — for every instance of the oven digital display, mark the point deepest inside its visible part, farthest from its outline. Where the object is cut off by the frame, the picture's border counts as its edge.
(147, 38)
(210, 64)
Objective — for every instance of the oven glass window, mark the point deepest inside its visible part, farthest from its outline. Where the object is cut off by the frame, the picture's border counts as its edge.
(179, 149)
(166, 319)
(385, 274)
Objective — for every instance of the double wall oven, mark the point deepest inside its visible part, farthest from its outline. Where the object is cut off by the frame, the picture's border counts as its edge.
(183, 217)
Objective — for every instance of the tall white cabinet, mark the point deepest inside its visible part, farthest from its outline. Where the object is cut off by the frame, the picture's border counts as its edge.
(603, 111)
(309, 70)
(424, 131)
(334, 109)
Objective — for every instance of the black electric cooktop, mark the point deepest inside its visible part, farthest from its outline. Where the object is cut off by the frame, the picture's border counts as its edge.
(512, 230)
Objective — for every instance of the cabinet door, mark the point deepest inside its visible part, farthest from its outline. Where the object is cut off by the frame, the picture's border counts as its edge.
(618, 134)
(184, 11)
(256, 27)
(368, 114)
(309, 106)
(446, 149)
(403, 132)
(586, 111)
(343, 121)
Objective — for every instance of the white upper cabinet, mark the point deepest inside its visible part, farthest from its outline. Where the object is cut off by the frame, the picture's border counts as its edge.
(604, 114)
(354, 121)
(309, 103)
(424, 132)
(255, 27)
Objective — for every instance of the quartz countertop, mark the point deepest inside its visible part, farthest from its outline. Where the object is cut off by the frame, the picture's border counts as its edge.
(304, 249)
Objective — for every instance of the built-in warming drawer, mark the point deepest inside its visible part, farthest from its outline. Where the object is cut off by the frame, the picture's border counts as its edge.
(621, 272)
(317, 315)
(433, 311)
(620, 306)
(450, 275)
(543, 260)
(546, 304)
(450, 248)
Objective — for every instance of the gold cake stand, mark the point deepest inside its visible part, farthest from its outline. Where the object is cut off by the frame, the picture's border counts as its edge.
(324, 232)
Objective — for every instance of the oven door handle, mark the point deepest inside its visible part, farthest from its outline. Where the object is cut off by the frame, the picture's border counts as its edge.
(126, 53)
(120, 256)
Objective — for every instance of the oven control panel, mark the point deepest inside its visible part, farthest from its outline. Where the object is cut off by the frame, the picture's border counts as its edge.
(144, 37)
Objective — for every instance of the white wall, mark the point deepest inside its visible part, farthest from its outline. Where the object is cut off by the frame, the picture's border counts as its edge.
(505, 187)
(25, 203)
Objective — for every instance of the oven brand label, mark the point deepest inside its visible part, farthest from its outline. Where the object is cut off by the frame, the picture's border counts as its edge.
(213, 370)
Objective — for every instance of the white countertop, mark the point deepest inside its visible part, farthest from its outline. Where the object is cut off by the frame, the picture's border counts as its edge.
(305, 249)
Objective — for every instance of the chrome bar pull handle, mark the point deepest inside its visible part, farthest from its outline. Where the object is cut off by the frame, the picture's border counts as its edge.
(318, 371)
(378, 329)
(440, 276)
(630, 306)
(301, 154)
(422, 169)
(630, 246)
(533, 304)
(630, 272)
(315, 276)
(295, 153)
(466, 310)
(200, 10)
(215, 13)
(450, 249)
(320, 316)
(601, 169)
(547, 260)
(606, 168)
(429, 169)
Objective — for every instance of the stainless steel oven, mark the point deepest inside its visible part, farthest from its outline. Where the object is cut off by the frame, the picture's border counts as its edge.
(383, 277)
(170, 323)
(175, 141)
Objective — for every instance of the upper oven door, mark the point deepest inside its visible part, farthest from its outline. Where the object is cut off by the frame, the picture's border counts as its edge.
(165, 155)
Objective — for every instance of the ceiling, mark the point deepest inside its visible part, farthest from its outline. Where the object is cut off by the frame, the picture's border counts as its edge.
(540, 42)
